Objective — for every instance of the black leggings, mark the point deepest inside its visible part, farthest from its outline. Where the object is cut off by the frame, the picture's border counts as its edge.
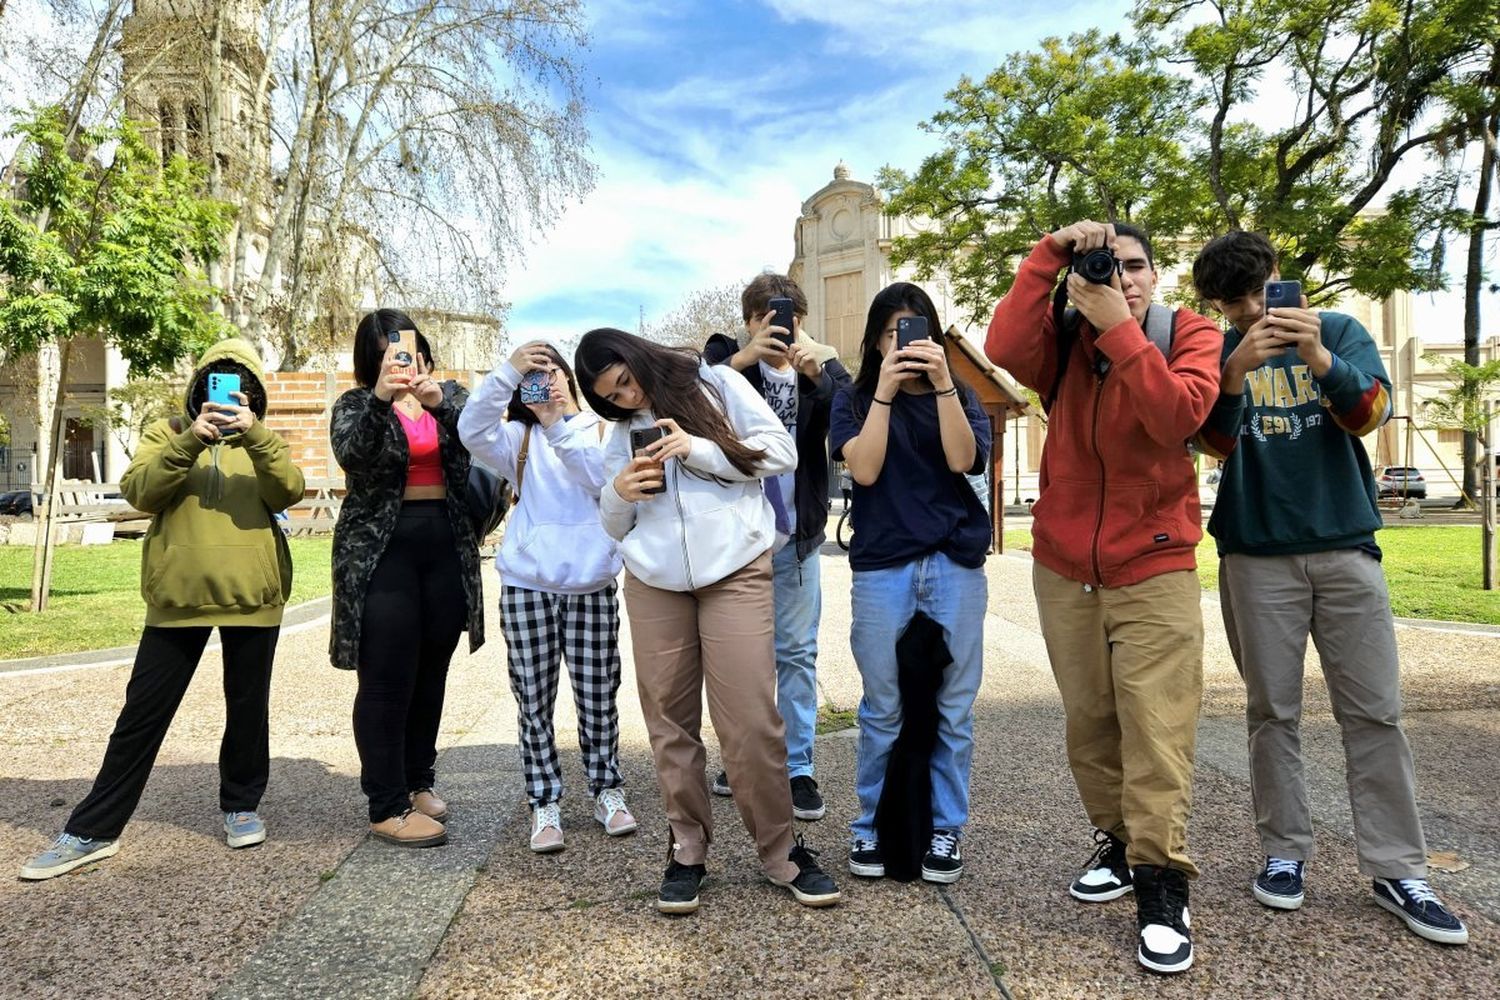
(415, 609)
(164, 666)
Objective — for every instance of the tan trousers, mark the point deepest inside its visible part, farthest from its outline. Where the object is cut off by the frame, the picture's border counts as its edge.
(720, 637)
(1129, 665)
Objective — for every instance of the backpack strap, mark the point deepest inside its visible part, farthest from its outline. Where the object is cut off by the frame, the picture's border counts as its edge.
(1160, 328)
(521, 459)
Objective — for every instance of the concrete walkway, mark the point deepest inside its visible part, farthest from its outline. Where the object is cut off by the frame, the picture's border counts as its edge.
(321, 911)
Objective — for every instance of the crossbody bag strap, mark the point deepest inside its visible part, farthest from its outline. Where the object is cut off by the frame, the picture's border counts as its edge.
(521, 458)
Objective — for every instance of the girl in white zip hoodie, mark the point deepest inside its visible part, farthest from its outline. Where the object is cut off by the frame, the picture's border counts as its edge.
(557, 569)
(696, 532)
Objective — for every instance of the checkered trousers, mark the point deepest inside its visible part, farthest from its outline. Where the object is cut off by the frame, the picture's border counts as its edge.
(540, 631)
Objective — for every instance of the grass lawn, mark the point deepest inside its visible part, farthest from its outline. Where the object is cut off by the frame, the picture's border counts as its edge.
(96, 595)
(1433, 572)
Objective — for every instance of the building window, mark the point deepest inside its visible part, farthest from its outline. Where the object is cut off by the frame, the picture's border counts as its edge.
(194, 116)
(1450, 435)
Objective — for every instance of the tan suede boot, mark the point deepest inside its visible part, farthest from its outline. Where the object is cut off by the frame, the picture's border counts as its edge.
(410, 829)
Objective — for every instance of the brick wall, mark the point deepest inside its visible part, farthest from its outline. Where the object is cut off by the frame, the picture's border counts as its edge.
(298, 408)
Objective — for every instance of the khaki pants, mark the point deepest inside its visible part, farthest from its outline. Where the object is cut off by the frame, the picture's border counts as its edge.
(721, 637)
(1271, 604)
(1129, 665)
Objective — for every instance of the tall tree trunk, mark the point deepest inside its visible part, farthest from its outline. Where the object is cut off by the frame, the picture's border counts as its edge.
(41, 553)
(1473, 284)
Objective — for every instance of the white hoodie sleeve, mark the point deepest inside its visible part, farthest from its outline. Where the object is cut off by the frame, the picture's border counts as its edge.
(616, 513)
(753, 422)
(578, 445)
(482, 426)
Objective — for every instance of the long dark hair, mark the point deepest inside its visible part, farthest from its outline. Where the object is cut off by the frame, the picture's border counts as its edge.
(518, 410)
(372, 337)
(669, 376)
(892, 299)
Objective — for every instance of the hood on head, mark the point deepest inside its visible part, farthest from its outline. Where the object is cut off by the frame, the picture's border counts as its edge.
(233, 354)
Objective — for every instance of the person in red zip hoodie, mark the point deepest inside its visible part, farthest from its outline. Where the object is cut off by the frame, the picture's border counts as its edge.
(1114, 538)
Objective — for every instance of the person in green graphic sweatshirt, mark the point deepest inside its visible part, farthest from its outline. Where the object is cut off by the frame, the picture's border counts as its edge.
(1295, 524)
(212, 481)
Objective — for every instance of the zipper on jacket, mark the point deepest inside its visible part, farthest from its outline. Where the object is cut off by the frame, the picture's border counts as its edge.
(687, 565)
(1099, 521)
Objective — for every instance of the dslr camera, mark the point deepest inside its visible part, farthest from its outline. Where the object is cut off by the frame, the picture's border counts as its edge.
(1097, 266)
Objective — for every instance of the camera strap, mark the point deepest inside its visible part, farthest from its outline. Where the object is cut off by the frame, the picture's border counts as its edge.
(1160, 328)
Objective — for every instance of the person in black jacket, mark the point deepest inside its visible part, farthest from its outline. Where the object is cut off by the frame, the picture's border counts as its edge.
(799, 382)
(406, 574)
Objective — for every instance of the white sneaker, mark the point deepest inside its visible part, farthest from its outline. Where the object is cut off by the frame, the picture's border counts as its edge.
(546, 829)
(611, 812)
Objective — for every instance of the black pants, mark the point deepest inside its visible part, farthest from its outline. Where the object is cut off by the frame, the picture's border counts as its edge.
(415, 609)
(164, 665)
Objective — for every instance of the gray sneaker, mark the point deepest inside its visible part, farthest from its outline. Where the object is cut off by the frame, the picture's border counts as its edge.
(243, 829)
(66, 853)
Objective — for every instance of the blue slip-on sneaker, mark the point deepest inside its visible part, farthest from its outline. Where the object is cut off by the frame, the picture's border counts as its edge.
(66, 853)
(243, 829)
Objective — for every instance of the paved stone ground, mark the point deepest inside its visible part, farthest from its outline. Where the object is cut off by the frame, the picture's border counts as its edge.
(320, 911)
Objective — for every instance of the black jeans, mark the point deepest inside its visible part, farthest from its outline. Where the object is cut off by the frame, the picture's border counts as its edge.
(164, 665)
(415, 610)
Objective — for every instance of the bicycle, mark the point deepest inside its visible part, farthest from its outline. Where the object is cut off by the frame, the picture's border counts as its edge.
(845, 530)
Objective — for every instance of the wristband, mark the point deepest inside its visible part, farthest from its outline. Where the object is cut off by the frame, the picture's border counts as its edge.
(882, 402)
(952, 390)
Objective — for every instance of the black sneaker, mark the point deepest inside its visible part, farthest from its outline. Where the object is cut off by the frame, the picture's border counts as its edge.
(1413, 900)
(865, 859)
(679, 888)
(720, 785)
(812, 886)
(1161, 914)
(1279, 885)
(1106, 875)
(942, 863)
(806, 802)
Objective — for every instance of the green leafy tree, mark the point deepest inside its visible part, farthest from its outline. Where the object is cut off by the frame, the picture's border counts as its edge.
(99, 239)
(1088, 127)
(1159, 130)
(134, 406)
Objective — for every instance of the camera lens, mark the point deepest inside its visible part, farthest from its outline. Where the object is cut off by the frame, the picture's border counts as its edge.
(1097, 266)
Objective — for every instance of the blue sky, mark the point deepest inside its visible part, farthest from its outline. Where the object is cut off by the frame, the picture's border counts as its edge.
(712, 122)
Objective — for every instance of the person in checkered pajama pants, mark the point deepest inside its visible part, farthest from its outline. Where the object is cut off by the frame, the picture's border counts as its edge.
(559, 602)
(541, 630)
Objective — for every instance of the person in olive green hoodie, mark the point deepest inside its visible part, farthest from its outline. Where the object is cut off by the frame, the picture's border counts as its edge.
(214, 556)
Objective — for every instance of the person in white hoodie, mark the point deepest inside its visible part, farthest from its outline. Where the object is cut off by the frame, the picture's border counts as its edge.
(557, 570)
(696, 533)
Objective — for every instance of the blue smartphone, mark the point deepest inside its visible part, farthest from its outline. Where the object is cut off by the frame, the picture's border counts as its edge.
(910, 329)
(784, 318)
(1283, 295)
(220, 387)
(536, 387)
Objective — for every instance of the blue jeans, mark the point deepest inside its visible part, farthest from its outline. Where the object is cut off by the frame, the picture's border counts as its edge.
(884, 602)
(799, 604)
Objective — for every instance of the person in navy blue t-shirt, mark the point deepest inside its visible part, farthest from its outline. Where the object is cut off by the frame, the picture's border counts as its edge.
(909, 434)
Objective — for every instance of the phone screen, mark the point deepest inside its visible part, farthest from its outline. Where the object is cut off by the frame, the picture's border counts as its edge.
(638, 441)
(783, 318)
(909, 329)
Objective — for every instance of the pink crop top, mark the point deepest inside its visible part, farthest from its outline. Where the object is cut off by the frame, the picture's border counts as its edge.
(424, 467)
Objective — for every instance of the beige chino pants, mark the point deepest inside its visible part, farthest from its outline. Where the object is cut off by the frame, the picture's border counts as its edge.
(720, 637)
(1129, 666)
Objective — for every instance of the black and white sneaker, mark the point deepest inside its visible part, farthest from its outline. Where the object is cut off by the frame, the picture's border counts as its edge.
(1106, 875)
(1413, 900)
(812, 886)
(679, 888)
(1161, 915)
(806, 802)
(720, 784)
(865, 859)
(1279, 885)
(942, 863)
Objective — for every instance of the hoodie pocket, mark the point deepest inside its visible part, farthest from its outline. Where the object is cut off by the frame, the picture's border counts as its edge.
(1132, 526)
(1064, 516)
(214, 576)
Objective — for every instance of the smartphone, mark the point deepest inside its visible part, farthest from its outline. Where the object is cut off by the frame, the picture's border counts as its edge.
(909, 329)
(536, 387)
(1283, 295)
(401, 357)
(638, 441)
(220, 387)
(783, 318)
